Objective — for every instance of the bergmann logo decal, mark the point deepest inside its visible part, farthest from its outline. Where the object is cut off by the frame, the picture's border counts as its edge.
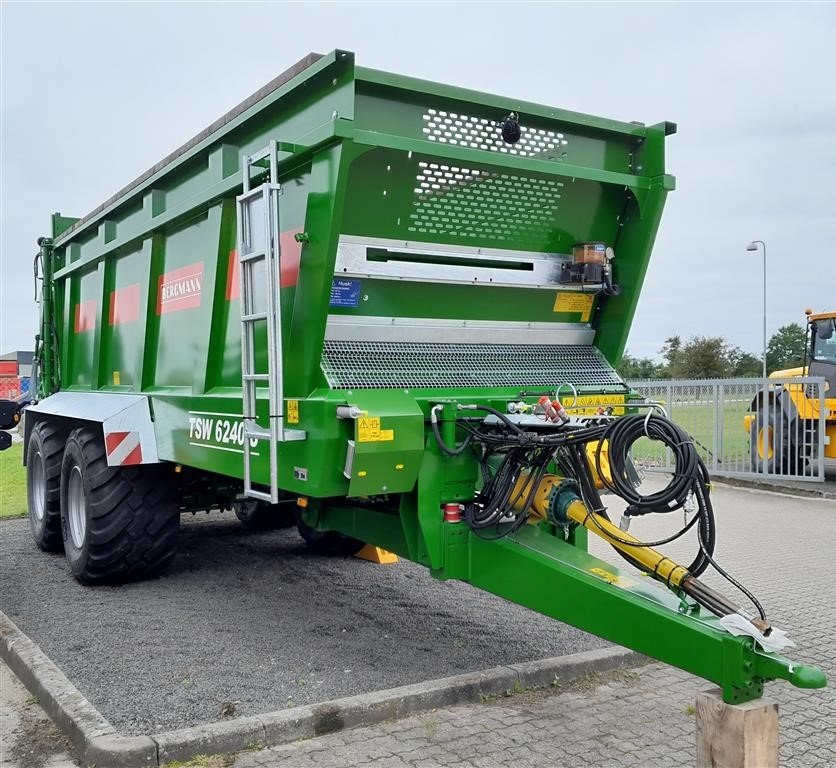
(180, 289)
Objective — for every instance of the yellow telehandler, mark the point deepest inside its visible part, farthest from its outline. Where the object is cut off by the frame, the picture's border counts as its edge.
(784, 420)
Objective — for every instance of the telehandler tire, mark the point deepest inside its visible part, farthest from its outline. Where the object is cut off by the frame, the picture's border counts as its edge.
(781, 456)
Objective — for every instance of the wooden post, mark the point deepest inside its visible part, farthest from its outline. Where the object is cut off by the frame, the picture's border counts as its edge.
(736, 735)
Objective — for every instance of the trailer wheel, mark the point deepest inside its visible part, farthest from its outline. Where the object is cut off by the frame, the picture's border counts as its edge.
(118, 523)
(43, 485)
(327, 542)
(257, 515)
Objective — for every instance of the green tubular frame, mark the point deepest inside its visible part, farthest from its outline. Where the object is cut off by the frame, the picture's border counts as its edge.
(354, 144)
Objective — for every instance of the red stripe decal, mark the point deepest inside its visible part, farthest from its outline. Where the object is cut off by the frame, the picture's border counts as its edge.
(233, 278)
(291, 256)
(134, 457)
(113, 439)
(124, 305)
(180, 289)
(85, 316)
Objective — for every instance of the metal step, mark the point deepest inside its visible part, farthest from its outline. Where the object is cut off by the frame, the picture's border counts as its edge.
(260, 434)
(261, 495)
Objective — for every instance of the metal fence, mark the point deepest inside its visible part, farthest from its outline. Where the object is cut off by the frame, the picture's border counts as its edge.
(773, 428)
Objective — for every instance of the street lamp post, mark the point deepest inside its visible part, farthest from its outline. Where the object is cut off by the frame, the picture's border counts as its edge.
(753, 246)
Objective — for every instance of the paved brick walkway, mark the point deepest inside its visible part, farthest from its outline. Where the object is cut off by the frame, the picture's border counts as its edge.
(781, 547)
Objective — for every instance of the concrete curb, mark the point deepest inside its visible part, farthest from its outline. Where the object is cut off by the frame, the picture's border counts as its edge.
(98, 743)
(776, 486)
(95, 739)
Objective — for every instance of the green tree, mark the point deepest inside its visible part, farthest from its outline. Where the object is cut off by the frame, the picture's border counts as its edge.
(638, 367)
(701, 357)
(786, 348)
(670, 352)
(740, 363)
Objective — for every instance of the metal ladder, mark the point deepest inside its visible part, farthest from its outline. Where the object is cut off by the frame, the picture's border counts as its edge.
(259, 259)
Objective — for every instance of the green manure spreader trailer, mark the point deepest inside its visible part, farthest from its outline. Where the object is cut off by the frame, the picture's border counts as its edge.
(394, 306)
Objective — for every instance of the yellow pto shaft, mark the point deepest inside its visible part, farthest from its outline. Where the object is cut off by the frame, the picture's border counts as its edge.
(654, 562)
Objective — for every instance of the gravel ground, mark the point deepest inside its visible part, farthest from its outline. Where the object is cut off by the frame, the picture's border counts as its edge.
(244, 623)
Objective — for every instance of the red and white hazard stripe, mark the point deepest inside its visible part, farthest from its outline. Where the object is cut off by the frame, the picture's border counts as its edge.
(123, 448)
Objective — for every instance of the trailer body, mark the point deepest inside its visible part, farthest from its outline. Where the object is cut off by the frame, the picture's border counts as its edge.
(298, 304)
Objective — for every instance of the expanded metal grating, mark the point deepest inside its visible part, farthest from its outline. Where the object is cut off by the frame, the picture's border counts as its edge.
(398, 365)
(478, 204)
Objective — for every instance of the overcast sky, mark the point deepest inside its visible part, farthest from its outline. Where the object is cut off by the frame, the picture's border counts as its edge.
(94, 94)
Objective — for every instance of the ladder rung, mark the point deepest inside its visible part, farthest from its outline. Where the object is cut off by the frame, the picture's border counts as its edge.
(254, 256)
(256, 376)
(259, 495)
(253, 317)
(257, 157)
(257, 433)
(251, 193)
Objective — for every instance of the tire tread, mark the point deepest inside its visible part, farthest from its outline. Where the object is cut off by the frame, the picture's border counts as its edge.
(134, 519)
(52, 437)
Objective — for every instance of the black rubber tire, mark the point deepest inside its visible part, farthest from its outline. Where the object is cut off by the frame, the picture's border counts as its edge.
(131, 513)
(256, 515)
(781, 445)
(327, 542)
(44, 453)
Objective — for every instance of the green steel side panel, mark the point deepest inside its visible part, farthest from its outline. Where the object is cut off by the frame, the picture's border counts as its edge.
(633, 248)
(425, 92)
(403, 298)
(122, 337)
(408, 107)
(81, 327)
(306, 329)
(408, 196)
(388, 443)
(186, 251)
(207, 433)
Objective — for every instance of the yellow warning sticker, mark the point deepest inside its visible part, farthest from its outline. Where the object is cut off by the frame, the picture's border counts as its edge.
(575, 302)
(117, 378)
(369, 431)
(292, 411)
(588, 405)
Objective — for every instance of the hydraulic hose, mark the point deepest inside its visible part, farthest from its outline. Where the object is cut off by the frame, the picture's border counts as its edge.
(690, 476)
(621, 435)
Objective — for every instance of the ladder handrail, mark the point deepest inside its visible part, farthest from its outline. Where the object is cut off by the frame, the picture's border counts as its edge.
(269, 192)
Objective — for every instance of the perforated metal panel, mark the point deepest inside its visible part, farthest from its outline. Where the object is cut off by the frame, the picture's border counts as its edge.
(387, 365)
(481, 133)
(478, 204)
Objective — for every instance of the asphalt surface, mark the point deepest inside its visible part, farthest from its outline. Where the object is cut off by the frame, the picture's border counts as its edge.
(245, 623)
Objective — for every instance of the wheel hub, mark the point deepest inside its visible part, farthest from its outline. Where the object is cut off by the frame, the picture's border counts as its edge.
(77, 507)
(769, 437)
(38, 475)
